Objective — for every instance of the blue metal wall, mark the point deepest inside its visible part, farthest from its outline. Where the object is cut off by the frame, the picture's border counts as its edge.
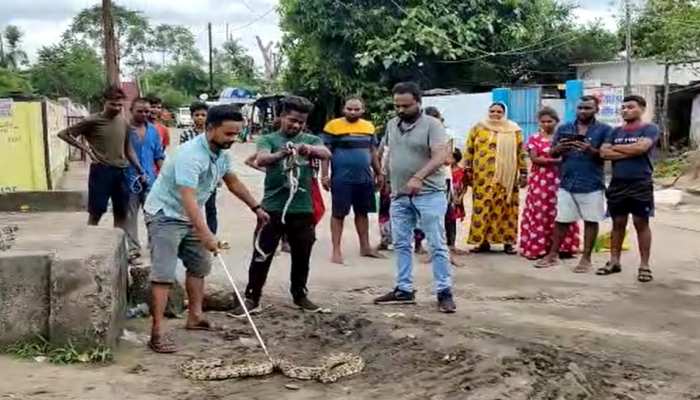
(523, 105)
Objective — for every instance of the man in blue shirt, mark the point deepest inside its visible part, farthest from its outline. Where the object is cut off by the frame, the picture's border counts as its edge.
(175, 221)
(581, 192)
(631, 190)
(145, 141)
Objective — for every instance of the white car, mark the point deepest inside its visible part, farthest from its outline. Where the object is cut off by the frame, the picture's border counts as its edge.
(183, 117)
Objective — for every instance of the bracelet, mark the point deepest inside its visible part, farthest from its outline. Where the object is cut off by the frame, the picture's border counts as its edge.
(256, 208)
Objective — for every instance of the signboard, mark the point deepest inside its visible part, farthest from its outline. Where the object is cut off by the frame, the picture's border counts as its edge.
(5, 108)
(610, 103)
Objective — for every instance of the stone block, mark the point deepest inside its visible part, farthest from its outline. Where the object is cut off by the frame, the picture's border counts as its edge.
(88, 286)
(43, 201)
(140, 292)
(24, 296)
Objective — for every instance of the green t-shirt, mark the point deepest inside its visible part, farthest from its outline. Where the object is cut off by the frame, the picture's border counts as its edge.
(276, 185)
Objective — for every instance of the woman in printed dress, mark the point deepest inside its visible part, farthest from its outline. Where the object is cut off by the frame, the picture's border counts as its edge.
(494, 166)
(541, 201)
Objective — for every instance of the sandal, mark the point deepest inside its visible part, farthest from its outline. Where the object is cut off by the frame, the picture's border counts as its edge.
(545, 263)
(609, 269)
(162, 345)
(582, 269)
(482, 248)
(644, 275)
(509, 249)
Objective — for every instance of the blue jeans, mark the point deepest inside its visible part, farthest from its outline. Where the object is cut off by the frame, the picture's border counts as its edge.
(430, 210)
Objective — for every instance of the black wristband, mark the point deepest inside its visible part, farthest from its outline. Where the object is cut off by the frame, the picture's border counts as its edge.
(256, 208)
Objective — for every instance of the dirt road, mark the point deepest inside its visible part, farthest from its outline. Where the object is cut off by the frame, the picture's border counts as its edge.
(519, 333)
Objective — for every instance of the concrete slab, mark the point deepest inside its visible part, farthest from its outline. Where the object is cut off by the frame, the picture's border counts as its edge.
(24, 296)
(88, 288)
(60, 201)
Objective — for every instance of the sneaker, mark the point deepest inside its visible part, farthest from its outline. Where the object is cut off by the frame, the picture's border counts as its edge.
(397, 297)
(238, 312)
(304, 304)
(445, 302)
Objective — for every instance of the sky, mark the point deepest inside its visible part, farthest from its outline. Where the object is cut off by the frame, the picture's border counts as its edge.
(43, 21)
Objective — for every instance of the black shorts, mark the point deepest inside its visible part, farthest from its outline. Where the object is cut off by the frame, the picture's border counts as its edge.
(105, 183)
(359, 196)
(627, 197)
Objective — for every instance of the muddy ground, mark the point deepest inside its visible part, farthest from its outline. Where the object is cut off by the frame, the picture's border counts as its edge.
(519, 333)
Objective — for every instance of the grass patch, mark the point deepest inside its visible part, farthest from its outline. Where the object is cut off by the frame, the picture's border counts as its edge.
(68, 354)
(671, 167)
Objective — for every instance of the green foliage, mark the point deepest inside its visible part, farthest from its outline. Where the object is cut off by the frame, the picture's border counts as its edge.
(14, 57)
(175, 43)
(131, 29)
(667, 29)
(335, 48)
(13, 82)
(68, 354)
(69, 69)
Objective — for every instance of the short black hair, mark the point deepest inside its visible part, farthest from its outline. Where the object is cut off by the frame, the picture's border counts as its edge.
(153, 99)
(198, 105)
(549, 112)
(139, 100)
(433, 112)
(457, 155)
(113, 92)
(411, 88)
(637, 99)
(218, 114)
(590, 97)
(295, 103)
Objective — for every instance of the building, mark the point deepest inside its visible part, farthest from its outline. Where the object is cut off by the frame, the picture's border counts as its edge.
(648, 79)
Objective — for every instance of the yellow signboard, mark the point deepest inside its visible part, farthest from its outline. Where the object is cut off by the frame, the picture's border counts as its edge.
(22, 166)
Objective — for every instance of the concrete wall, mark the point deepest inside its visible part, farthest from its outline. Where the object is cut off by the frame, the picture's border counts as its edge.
(67, 283)
(24, 296)
(56, 201)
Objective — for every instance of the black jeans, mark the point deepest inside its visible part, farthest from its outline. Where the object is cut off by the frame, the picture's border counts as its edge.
(210, 211)
(301, 234)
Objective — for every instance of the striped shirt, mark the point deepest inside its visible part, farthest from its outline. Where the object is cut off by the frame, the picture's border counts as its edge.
(188, 134)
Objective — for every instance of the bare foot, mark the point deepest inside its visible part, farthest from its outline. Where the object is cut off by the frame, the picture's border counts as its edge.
(456, 263)
(583, 267)
(337, 259)
(547, 262)
(458, 252)
(372, 254)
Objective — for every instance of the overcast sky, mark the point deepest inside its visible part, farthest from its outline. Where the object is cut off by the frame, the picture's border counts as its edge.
(43, 21)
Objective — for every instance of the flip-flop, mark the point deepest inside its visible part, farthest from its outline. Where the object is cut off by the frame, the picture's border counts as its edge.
(481, 249)
(162, 345)
(543, 263)
(510, 250)
(609, 269)
(644, 275)
(202, 325)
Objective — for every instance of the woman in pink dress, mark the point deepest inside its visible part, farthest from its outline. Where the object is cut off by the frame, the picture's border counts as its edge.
(540, 210)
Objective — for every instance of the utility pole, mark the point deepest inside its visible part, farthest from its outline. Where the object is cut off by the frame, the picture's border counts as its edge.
(2, 51)
(628, 46)
(211, 64)
(227, 37)
(664, 115)
(110, 45)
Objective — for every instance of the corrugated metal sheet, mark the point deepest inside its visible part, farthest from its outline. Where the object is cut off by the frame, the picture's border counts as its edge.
(524, 105)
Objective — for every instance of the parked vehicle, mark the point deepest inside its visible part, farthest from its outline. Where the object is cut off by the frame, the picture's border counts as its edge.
(183, 117)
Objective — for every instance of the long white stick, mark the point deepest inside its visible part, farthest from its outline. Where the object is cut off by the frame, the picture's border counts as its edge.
(242, 303)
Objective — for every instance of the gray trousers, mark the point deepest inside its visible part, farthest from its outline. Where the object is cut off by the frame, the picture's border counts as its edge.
(134, 207)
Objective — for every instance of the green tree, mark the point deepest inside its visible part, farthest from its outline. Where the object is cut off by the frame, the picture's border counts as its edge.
(667, 29)
(14, 57)
(336, 48)
(13, 82)
(69, 69)
(175, 42)
(131, 29)
(233, 66)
